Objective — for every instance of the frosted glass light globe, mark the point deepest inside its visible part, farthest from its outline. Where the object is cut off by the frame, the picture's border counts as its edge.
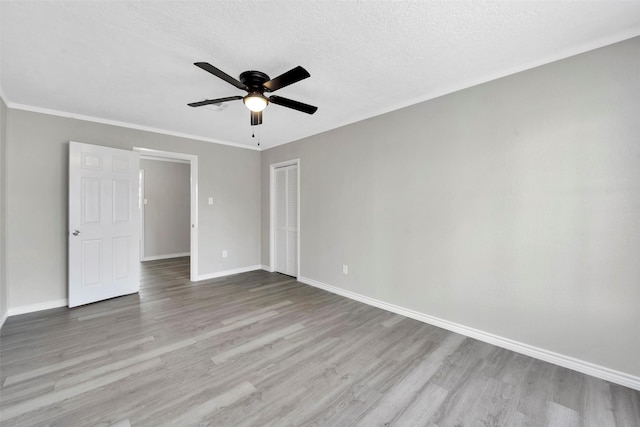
(255, 102)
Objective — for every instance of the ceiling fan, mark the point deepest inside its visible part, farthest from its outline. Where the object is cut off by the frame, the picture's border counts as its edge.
(256, 83)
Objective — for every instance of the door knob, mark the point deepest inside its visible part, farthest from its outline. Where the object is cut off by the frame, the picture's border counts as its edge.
(76, 232)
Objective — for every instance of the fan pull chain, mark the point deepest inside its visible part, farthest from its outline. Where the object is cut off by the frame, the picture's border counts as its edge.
(253, 135)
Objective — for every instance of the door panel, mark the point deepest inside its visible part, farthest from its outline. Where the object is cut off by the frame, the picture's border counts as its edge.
(121, 256)
(103, 223)
(121, 164)
(91, 262)
(90, 201)
(121, 201)
(286, 220)
(292, 220)
(292, 253)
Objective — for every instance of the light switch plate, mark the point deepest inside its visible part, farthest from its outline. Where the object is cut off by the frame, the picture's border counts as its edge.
(210, 200)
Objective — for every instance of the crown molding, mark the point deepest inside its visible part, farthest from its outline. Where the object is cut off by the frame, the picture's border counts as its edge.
(68, 115)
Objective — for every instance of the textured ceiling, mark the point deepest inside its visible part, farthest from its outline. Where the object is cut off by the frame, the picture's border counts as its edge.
(131, 62)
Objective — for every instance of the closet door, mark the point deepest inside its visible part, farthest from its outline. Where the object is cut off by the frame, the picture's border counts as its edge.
(286, 219)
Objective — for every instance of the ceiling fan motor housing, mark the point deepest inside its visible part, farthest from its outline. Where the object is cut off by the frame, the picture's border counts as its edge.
(254, 80)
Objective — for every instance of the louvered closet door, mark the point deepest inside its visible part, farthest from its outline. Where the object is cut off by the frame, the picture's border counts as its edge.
(286, 234)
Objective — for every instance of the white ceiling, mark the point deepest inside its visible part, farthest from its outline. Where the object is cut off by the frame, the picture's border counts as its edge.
(131, 62)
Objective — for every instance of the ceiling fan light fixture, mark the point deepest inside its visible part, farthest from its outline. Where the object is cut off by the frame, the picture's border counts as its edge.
(255, 102)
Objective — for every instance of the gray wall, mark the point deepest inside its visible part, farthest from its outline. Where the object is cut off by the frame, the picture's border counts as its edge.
(37, 152)
(512, 207)
(3, 210)
(167, 214)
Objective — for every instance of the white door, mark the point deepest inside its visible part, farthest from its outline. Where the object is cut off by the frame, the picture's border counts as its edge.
(103, 223)
(286, 220)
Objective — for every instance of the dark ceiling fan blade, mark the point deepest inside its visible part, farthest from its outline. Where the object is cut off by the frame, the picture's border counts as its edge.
(221, 74)
(290, 103)
(290, 77)
(256, 118)
(213, 101)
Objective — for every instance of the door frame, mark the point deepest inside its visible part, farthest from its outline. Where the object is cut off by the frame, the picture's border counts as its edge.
(152, 154)
(272, 211)
(141, 210)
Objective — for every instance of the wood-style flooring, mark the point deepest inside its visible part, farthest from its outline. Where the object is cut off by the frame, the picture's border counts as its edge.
(260, 349)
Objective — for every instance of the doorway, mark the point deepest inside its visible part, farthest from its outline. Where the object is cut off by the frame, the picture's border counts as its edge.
(165, 208)
(192, 162)
(285, 217)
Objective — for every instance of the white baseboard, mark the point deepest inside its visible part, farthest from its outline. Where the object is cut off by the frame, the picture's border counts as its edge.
(266, 268)
(227, 272)
(37, 307)
(167, 256)
(4, 318)
(588, 368)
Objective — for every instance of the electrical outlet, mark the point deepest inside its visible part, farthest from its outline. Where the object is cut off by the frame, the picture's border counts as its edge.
(224, 253)
(210, 200)
(345, 269)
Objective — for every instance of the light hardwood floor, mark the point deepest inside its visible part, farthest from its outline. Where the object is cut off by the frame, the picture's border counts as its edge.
(260, 349)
